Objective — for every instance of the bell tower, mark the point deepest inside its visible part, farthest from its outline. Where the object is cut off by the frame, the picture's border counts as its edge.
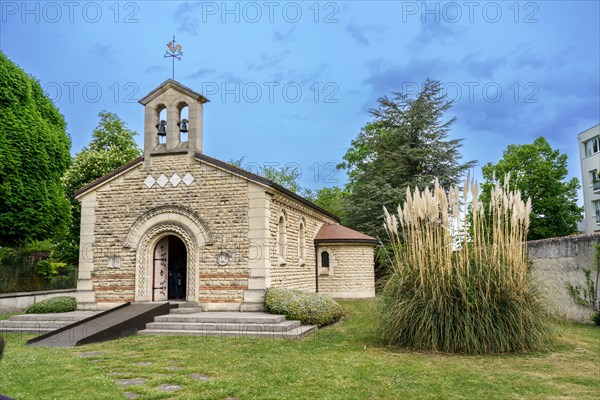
(166, 127)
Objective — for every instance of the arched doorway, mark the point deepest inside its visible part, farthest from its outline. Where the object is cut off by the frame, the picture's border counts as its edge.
(170, 269)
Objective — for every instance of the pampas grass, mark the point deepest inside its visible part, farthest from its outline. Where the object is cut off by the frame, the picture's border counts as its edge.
(453, 290)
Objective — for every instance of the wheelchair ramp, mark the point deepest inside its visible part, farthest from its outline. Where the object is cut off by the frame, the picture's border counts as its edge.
(121, 321)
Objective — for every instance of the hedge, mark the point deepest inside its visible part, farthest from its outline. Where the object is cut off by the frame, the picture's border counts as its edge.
(58, 304)
(307, 307)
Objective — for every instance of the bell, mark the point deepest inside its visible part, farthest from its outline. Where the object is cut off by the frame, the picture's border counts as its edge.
(162, 128)
(183, 125)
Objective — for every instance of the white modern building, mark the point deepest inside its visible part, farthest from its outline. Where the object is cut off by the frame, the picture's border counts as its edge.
(589, 151)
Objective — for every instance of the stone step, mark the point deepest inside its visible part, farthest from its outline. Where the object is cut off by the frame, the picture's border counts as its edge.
(36, 331)
(223, 317)
(225, 327)
(68, 316)
(183, 304)
(186, 310)
(51, 325)
(296, 333)
(246, 307)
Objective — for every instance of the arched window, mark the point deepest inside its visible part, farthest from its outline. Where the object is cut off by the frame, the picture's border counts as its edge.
(301, 243)
(281, 240)
(161, 124)
(183, 123)
(325, 259)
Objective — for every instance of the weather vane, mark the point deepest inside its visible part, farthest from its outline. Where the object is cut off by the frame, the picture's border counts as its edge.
(174, 52)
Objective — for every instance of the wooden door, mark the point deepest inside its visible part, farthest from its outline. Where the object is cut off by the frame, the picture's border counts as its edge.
(161, 270)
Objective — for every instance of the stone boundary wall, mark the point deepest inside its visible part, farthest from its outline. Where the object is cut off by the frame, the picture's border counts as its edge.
(557, 261)
(21, 300)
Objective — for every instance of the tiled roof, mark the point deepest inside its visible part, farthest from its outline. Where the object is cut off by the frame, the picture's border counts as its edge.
(340, 233)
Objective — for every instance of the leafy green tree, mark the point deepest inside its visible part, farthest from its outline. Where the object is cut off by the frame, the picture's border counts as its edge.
(34, 154)
(112, 145)
(333, 199)
(539, 172)
(405, 146)
(287, 176)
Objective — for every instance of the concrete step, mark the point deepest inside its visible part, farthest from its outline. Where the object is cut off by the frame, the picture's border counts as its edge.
(296, 333)
(36, 331)
(228, 327)
(186, 310)
(9, 324)
(68, 316)
(223, 317)
(248, 307)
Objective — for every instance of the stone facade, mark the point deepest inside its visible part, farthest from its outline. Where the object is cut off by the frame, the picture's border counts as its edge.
(292, 271)
(350, 274)
(229, 220)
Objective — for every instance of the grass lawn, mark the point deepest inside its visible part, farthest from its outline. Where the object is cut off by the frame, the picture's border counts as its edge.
(339, 362)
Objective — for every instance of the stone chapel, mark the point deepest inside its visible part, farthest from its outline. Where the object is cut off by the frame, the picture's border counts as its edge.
(178, 225)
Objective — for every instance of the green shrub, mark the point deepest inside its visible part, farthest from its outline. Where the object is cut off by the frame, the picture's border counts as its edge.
(33, 266)
(54, 305)
(596, 318)
(48, 269)
(457, 292)
(306, 307)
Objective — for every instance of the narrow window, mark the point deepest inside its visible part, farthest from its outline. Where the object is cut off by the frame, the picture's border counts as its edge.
(162, 125)
(597, 207)
(281, 238)
(183, 123)
(301, 243)
(325, 259)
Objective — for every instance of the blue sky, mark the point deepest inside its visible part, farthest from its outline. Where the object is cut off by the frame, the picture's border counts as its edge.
(292, 82)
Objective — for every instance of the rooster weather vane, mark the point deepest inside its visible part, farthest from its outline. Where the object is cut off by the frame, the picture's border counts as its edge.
(174, 52)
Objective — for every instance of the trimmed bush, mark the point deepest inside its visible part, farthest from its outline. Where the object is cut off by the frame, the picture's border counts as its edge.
(306, 307)
(54, 305)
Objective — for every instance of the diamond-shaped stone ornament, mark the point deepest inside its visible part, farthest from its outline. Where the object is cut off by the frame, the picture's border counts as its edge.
(149, 181)
(175, 179)
(162, 181)
(188, 179)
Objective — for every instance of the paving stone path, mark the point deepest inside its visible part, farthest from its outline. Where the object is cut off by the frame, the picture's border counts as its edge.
(131, 382)
(200, 377)
(170, 388)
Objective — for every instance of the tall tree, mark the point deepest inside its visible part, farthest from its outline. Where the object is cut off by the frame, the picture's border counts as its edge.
(333, 199)
(539, 172)
(406, 144)
(34, 154)
(287, 176)
(112, 145)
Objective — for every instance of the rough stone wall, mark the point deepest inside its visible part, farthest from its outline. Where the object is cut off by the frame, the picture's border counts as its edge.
(293, 275)
(557, 261)
(350, 274)
(219, 198)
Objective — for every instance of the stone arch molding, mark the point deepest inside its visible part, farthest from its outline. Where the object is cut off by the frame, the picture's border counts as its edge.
(164, 214)
(153, 226)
